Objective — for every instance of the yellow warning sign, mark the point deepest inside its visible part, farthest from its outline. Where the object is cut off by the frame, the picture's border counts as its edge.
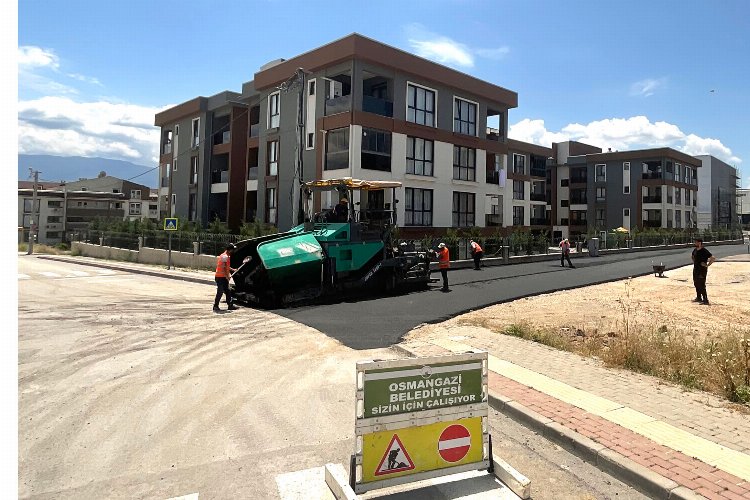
(401, 452)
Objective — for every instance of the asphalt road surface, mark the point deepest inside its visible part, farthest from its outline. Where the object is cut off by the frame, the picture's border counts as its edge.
(130, 387)
(367, 323)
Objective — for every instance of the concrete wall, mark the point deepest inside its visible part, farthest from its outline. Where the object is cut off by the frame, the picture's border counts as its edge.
(145, 256)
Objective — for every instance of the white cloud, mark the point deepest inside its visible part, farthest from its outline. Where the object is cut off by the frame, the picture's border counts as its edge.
(647, 87)
(636, 132)
(61, 126)
(30, 56)
(86, 79)
(445, 50)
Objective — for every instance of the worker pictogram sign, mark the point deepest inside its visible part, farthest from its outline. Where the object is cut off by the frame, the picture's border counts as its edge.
(454, 443)
(170, 223)
(395, 459)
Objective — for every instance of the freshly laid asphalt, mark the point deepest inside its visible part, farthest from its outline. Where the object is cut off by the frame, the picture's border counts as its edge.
(373, 322)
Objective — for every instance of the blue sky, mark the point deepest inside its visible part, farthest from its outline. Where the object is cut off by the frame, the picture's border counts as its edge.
(624, 75)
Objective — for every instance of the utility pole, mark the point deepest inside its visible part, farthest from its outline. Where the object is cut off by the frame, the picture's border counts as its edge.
(34, 222)
(297, 81)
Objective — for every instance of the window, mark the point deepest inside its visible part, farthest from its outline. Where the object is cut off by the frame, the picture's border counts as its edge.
(518, 190)
(135, 194)
(174, 165)
(273, 158)
(271, 205)
(56, 219)
(678, 196)
(135, 209)
(678, 219)
(53, 234)
(27, 205)
(192, 206)
(311, 87)
(464, 163)
(601, 173)
(311, 140)
(194, 170)
(601, 194)
(464, 117)
(118, 205)
(337, 149)
(688, 222)
(626, 166)
(564, 221)
(420, 105)
(519, 164)
(418, 210)
(626, 212)
(376, 149)
(463, 209)
(564, 182)
(518, 216)
(195, 142)
(152, 206)
(273, 110)
(418, 156)
(174, 199)
(601, 217)
(563, 203)
(54, 204)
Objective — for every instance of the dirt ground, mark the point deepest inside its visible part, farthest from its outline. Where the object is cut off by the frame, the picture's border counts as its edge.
(645, 302)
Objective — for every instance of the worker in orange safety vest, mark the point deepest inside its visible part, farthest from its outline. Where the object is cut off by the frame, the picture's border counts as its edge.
(223, 273)
(476, 253)
(444, 262)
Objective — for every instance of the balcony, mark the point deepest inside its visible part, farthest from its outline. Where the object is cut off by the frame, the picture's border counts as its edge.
(538, 172)
(222, 138)
(538, 197)
(219, 176)
(164, 182)
(652, 175)
(493, 220)
(578, 179)
(493, 178)
(252, 174)
(167, 149)
(652, 199)
(578, 200)
(374, 105)
(493, 134)
(536, 221)
(255, 130)
(651, 223)
(339, 104)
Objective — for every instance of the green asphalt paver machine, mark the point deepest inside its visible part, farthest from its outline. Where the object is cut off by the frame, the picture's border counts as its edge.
(335, 252)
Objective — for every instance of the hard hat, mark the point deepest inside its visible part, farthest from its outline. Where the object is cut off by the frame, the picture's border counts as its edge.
(344, 200)
(231, 246)
(441, 245)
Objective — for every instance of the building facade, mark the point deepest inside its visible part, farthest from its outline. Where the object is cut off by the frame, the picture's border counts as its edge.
(718, 183)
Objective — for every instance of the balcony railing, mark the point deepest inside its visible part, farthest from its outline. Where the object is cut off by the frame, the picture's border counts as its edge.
(652, 199)
(538, 197)
(164, 182)
(338, 104)
(652, 223)
(578, 200)
(377, 106)
(222, 138)
(219, 176)
(167, 148)
(252, 174)
(493, 134)
(493, 220)
(493, 178)
(578, 179)
(652, 175)
(255, 130)
(538, 172)
(539, 221)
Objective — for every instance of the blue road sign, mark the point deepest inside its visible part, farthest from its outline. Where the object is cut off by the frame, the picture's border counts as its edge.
(170, 223)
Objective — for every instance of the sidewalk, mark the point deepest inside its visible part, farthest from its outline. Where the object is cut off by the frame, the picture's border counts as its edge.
(668, 442)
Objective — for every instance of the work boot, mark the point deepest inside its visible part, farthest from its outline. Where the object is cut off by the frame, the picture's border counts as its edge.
(697, 299)
(216, 308)
(232, 307)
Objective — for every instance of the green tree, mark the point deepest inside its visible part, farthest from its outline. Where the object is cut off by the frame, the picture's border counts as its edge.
(218, 227)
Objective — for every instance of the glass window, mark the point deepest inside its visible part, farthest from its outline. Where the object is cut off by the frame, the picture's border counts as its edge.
(518, 190)
(337, 149)
(273, 158)
(271, 205)
(135, 209)
(419, 156)
(464, 117)
(418, 208)
(601, 173)
(519, 164)
(420, 105)
(274, 111)
(601, 217)
(518, 216)
(376, 149)
(464, 163)
(601, 194)
(135, 194)
(27, 205)
(463, 209)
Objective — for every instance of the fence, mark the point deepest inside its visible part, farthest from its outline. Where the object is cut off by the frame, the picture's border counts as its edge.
(208, 243)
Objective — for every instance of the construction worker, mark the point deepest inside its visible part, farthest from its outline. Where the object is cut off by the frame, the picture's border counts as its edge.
(222, 275)
(476, 253)
(565, 253)
(341, 211)
(444, 262)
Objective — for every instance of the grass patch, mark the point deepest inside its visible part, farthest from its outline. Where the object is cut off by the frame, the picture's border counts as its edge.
(60, 249)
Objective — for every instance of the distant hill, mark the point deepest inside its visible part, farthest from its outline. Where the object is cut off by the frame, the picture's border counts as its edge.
(72, 168)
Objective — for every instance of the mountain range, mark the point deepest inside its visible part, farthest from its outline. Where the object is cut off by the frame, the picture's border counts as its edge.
(73, 168)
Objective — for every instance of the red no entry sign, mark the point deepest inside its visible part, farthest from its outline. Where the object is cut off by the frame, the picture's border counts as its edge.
(454, 443)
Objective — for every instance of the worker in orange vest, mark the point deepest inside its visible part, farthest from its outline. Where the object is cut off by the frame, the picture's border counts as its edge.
(476, 253)
(223, 273)
(444, 262)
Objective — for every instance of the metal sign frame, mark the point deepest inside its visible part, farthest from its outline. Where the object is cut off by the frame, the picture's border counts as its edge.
(410, 368)
(176, 222)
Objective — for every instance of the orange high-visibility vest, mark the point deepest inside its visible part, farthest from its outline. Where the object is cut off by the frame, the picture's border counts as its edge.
(476, 247)
(444, 258)
(222, 266)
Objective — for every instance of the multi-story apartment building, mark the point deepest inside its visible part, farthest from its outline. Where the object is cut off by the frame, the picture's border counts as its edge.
(631, 189)
(368, 111)
(69, 207)
(743, 205)
(718, 183)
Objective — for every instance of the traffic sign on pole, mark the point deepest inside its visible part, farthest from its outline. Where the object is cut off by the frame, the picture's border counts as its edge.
(170, 223)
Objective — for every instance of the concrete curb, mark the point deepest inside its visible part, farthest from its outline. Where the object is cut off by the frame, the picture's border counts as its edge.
(136, 270)
(607, 460)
